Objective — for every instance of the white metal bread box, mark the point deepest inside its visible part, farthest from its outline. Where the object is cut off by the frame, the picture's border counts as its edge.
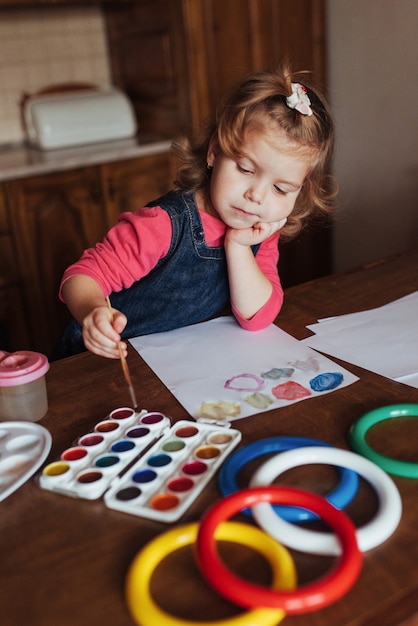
(59, 120)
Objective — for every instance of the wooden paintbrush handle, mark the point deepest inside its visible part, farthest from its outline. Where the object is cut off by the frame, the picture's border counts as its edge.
(123, 361)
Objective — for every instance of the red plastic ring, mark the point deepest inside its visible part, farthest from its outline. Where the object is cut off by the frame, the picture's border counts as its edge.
(308, 598)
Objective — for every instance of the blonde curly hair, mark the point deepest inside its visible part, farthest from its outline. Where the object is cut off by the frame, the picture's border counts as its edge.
(259, 102)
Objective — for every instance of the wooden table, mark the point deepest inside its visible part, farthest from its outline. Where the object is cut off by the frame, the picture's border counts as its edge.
(64, 561)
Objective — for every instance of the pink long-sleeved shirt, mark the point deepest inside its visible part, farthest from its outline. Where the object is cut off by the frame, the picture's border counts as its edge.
(132, 248)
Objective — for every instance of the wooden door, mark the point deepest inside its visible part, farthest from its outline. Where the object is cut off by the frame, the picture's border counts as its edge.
(14, 334)
(148, 61)
(53, 219)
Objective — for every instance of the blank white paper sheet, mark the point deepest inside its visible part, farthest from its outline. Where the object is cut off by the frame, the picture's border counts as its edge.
(383, 340)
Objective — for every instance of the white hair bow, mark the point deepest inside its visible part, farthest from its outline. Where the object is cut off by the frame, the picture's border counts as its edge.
(299, 99)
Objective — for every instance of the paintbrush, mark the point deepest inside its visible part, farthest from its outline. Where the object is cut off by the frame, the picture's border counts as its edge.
(124, 363)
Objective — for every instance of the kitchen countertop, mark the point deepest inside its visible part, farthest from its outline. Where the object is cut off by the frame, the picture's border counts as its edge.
(21, 160)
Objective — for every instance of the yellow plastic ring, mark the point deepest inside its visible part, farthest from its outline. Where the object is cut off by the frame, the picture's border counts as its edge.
(147, 613)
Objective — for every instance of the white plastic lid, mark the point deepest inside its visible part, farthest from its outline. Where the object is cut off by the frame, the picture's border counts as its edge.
(23, 366)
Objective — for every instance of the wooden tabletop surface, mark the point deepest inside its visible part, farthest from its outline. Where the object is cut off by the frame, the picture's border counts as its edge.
(64, 561)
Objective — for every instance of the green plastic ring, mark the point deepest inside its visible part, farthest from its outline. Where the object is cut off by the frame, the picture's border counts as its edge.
(357, 438)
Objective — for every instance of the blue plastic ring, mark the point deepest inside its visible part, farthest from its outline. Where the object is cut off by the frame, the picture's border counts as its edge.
(339, 497)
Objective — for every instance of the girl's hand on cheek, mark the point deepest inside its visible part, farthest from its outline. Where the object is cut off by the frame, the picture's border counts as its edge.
(252, 236)
(100, 336)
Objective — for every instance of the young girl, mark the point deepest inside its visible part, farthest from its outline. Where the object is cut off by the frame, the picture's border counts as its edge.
(214, 240)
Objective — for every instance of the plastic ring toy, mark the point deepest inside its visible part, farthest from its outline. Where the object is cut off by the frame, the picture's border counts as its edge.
(147, 613)
(339, 497)
(307, 598)
(369, 536)
(359, 429)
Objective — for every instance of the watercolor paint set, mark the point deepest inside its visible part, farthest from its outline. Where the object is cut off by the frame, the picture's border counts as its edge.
(24, 446)
(141, 464)
(162, 484)
(86, 469)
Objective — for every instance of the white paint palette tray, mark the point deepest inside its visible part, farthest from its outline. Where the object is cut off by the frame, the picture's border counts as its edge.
(164, 482)
(87, 468)
(24, 446)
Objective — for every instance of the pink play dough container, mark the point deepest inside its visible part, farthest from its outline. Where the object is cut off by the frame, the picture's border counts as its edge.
(23, 393)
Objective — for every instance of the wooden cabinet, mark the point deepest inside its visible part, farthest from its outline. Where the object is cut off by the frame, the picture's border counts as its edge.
(147, 52)
(132, 183)
(53, 218)
(177, 58)
(241, 36)
(13, 312)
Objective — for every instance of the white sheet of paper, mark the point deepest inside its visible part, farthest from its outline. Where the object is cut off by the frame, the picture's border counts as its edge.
(196, 362)
(383, 340)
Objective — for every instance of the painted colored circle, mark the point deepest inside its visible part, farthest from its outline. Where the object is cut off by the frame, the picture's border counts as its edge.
(258, 386)
(144, 476)
(219, 439)
(308, 597)
(129, 493)
(339, 497)
(207, 452)
(145, 610)
(91, 440)
(173, 446)
(186, 431)
(357, 438)
(138, 432)
(369, 535)
(106, 461)
(164, 502)
(326, 381)
(124, 445)
(74, 454)
(56, 469)
(106, 427)
(180, 484)
(152, 418)
(89, 477)
(159, 460)
(194, 468)
(122, 414)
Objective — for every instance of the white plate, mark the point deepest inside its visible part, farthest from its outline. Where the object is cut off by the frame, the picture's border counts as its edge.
(24, 446)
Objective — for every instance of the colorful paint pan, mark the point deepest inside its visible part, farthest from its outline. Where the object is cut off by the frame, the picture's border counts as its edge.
(163, 483)
(86, 469)
(24, 446)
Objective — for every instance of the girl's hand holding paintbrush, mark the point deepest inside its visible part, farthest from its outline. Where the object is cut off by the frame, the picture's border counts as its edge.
(101, 323)
(101, 331)
(123, 361)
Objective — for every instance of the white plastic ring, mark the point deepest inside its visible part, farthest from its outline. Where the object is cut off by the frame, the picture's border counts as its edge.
(369, 536)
